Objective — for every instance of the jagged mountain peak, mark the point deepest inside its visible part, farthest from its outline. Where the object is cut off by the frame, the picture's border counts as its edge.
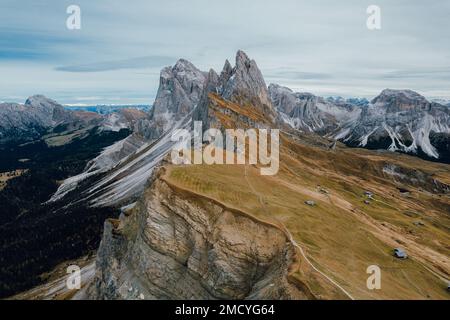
(227, 67)
(182, 81)
(273, 87)
(400, 100)
(185, 65)
(183, 69)
(40, 100)
(239, 93)
(246, 81)
(242, 59)
(401, 93)
(276, 88)
(401, 120)
(396, 120)
(227, 71)
(211, 82)
(180, 90)
(183, 87)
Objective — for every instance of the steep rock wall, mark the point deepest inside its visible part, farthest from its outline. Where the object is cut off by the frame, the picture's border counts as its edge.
(177, 245)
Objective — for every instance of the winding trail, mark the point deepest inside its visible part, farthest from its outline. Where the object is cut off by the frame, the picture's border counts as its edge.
(291, 239)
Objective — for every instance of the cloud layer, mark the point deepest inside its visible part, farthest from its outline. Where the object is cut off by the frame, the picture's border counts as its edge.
(319, 46)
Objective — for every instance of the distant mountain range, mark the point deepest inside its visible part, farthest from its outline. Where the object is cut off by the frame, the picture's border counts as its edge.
(395, 120)
(107, 109)
(40, 115)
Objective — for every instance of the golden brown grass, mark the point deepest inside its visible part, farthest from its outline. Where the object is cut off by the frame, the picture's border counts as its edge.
(342, 235)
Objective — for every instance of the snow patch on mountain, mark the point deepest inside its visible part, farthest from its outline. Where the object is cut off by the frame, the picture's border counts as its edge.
(404, 117)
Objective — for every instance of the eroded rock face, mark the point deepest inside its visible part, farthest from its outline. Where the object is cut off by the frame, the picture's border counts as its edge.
(179, 91)
(242, 85)
(176, 245)
(245, 80)
(401, 100)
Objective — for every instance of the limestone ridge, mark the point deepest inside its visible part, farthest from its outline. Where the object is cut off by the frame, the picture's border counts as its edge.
(243, 85)
(183, 89)
(178, 246)
(245, 80)
(180, 89)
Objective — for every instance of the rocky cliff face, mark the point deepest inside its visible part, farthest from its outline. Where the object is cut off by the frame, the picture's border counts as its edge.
(244, 81)
(242, 86)
(179, 91)
(176, 245)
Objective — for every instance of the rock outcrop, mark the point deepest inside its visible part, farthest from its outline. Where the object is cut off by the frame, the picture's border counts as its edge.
(241, 86)
(244, 81)
(180, 89)
(177, 245)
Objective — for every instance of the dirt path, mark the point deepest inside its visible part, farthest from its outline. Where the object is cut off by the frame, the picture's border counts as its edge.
(291, 239)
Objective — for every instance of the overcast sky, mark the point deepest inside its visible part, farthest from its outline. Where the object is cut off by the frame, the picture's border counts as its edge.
(323, 47)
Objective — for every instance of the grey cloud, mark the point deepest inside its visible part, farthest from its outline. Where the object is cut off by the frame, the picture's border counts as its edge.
(441, 74)
(134, 63)
(299, 75)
